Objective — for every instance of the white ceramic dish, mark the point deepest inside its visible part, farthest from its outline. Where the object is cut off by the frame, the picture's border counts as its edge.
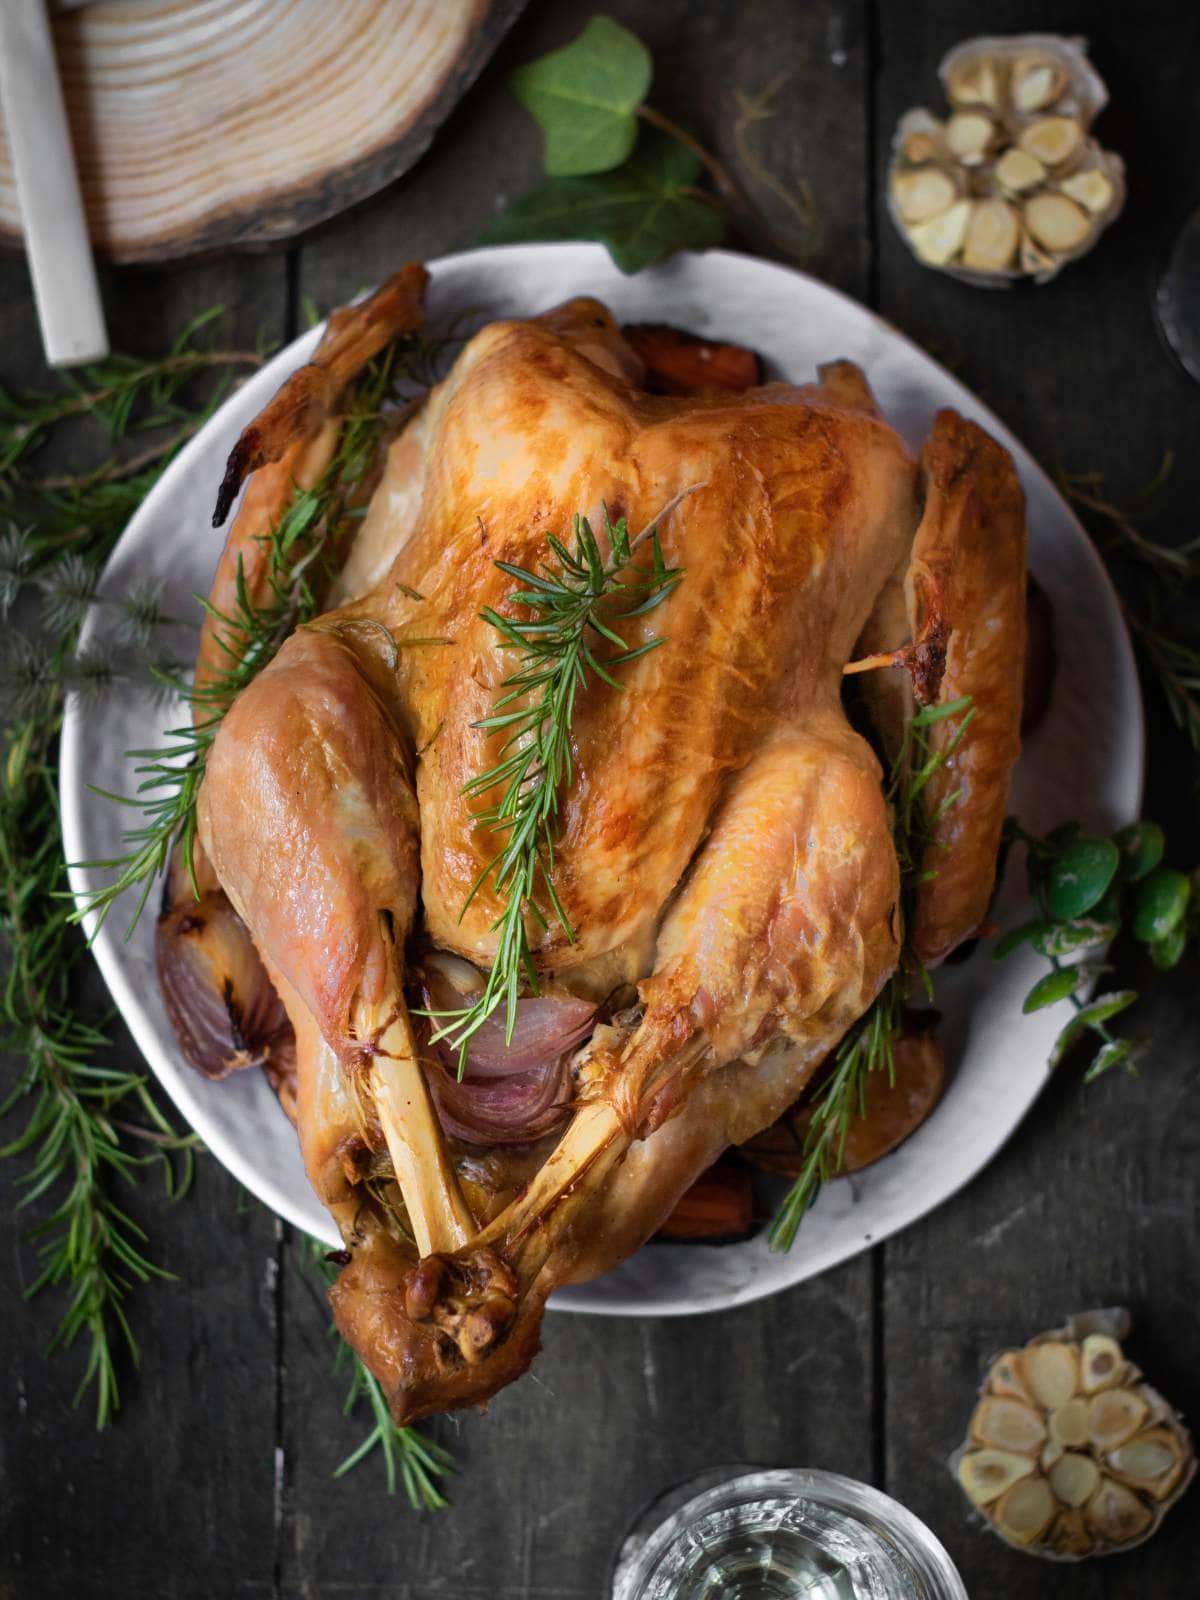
(1085, 760)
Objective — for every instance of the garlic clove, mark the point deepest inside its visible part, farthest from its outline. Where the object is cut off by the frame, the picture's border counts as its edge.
(1051, 139)
(1017, 170)
(1069, 1535)
(1035, 261)
(1067, 1424)
(1006, 1377)
(1025, 1510)
(1152, 1461)
(918, 146)
(993, 233)
(1101, 1363)
(1008, 1424)
(1115, 1513)
(1055, 222)
(1037, 82)
(1074, 1478)
(1114, 1415)
(977, 83)
(923, 193)
(940, 239)
(968, 134)
(1052, 1372)
(1093, 190)
(986, 1474)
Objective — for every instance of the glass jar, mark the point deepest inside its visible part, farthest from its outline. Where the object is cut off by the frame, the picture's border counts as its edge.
(793, 1534)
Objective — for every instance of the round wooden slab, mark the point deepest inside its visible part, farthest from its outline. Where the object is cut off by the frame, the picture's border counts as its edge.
(206, 123)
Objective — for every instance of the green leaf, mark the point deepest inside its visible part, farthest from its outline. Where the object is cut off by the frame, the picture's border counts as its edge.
(1161, 902)
(585, 98)
(1168, 952)
(1067, 938)
(1115, 1053)
(1016, 937)
(1056, 985)
(1080, 875)
(1092, 1015)
(939, 713)
(1142, 845)
(643, 212)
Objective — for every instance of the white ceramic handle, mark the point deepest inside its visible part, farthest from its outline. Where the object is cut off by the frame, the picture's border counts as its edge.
(56, 237)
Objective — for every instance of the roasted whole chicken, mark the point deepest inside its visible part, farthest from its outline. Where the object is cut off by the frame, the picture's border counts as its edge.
(724, 873)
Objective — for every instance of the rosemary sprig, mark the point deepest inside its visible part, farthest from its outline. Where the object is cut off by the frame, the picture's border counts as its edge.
(299, 549)
(1175, 661)
(88, 1126)
(870, 1044)
(570, 608)
(410, 1460)
(125, 395)
(84, 1120)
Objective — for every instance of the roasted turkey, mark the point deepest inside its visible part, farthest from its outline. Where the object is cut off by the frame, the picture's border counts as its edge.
(724, 856)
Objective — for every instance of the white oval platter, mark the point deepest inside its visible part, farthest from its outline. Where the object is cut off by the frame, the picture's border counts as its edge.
(1085, 760)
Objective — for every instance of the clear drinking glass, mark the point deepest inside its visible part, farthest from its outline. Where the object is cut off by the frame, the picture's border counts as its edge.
(1177, 298)
(787, 1535)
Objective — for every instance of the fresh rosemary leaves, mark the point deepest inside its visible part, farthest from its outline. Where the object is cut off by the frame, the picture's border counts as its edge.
(409, 1459)
(88, 1126)
(296, 547)
(870, 1044)
(570, 608)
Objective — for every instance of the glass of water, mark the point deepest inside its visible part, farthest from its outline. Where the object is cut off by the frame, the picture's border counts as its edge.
(1177, 298)
(787, 1535)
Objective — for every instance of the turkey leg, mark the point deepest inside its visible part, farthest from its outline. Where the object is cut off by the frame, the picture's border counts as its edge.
(318, 849)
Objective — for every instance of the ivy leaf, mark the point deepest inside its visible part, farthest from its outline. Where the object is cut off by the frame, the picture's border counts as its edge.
(1081, 875)
(646, 210)
(1097, 1011)
(585, 98)
(1056, 985)
(1161, 902)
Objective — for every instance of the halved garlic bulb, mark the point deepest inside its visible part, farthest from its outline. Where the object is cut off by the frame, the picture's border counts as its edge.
(1010, 185)
(1069, 1453)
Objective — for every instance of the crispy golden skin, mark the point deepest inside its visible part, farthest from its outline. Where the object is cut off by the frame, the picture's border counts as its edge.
(725, 843)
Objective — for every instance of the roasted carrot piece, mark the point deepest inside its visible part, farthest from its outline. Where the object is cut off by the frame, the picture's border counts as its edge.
(719, 1205)
(678, 362)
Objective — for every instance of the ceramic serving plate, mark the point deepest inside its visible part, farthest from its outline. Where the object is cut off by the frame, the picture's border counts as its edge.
(1085, 760)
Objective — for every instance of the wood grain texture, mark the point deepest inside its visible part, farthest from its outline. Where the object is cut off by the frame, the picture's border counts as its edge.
(232, 122)
(1096, 1199)
(216, 1479)
(176, 1499)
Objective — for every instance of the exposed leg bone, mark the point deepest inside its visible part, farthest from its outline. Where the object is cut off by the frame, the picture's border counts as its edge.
(440, 1217)
(319, 820)
(759, 946)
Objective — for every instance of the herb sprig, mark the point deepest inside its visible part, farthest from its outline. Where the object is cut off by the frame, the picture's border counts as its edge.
(411, 1461)
(569, 609)
(297, 547)
(89, 1128)
(870, 1044)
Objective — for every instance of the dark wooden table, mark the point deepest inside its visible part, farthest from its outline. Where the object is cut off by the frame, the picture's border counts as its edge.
(216, 1479)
